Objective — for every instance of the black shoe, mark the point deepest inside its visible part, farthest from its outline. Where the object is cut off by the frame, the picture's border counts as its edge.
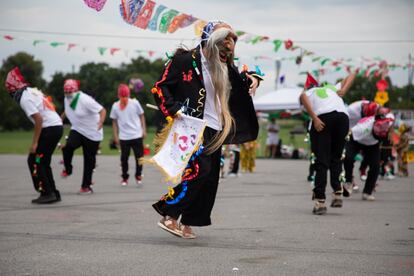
(58, 198)
(319, 208)
(336, 201)
(45, 199)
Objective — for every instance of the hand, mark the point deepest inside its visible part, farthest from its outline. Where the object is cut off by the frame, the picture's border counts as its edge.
(116, 141)
(33, 148)
(253, 86)
(178, 114)
(100, 125)
(318, 124)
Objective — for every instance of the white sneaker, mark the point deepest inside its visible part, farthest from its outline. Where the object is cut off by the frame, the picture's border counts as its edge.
(347, 189)
(363, 177)
(355, 188)
(124, 182)
(368, 197)
(389, 177)
(232, 175)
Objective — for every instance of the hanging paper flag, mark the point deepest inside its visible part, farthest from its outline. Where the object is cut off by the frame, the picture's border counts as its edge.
(71, 45)
(239, 33)
(35, 42)
(295, 48)
(8, 37)
(135, 6)
(56, 44)
(198, 27)
(102, 50)
(112, 51)
(361, 72)
(245, 37)
(145, 15)
(338, 69)
(310, 82)
(317, 73)
(256, 39)
(277, 43)
(288, 44)
(335, 63)
(153, 24)
(95, 4)
(176, 22)
(325, 61)
(348, 69)
(123, 10)
(316, 59)
(166, 19)
(188, 20)
(151, 53)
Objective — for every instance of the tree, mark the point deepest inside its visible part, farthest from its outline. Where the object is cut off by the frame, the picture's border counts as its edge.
(11, 115)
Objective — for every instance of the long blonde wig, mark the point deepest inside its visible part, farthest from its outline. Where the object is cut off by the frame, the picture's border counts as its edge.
(220, 79)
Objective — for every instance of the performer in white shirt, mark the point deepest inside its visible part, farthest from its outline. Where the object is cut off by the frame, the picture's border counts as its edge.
(47, 132)
(128, 123)
(365, 137)
(330, 127)
(86, 117)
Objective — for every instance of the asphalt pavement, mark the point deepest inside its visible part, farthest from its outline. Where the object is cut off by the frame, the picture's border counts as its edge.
(262, 225)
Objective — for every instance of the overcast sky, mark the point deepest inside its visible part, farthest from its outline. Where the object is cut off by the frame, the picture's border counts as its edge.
(299, 20)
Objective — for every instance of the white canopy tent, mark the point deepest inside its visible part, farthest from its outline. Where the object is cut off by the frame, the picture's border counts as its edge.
(284, 98)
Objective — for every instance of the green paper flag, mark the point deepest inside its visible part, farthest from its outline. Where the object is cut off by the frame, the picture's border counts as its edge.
(55, 44)
(102, 50)
(239, 33)
(35, 42)
(166, 19)
(277, 44)
(338, 69)
(256, 39)
(324, 61)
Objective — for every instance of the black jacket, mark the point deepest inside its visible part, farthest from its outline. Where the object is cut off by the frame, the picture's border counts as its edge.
(181, 84)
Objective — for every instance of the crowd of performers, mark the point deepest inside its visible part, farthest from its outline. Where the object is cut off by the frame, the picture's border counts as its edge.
(86, 117)
(339, 134)
(204, 82)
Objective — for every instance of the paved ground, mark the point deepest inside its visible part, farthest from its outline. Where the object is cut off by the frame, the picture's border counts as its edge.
(262, 225)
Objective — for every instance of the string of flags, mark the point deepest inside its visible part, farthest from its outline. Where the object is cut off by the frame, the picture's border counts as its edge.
(149, 15)
(101, 50)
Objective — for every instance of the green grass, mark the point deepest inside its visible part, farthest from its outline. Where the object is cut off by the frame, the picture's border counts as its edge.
(18, 142)
(286, 126)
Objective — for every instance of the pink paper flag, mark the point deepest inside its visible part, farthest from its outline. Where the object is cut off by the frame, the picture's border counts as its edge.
(71, 45)
(113, 50)
(95, 4)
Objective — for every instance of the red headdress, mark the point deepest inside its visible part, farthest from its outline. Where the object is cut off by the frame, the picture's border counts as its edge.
(71, 85)
(15, 80)
(369, 109)
(123, 95)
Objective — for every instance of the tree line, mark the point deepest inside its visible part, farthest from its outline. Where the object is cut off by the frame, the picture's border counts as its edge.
(101, 81)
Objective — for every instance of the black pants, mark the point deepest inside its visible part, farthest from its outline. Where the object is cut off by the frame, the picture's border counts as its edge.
(328, 145)
(89, 147)
(39, 162)
(235, 168)
(372, 157)
(195, 207)
(138, 148)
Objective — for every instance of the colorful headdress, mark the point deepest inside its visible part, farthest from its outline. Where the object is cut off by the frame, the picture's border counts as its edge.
(369, 109)
(382, 126)
(209, 28)
(71, 85)
(15, 80)
(123, 90)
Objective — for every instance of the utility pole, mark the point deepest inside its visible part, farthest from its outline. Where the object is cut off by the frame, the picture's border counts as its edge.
(410, 75)
(278, 65)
